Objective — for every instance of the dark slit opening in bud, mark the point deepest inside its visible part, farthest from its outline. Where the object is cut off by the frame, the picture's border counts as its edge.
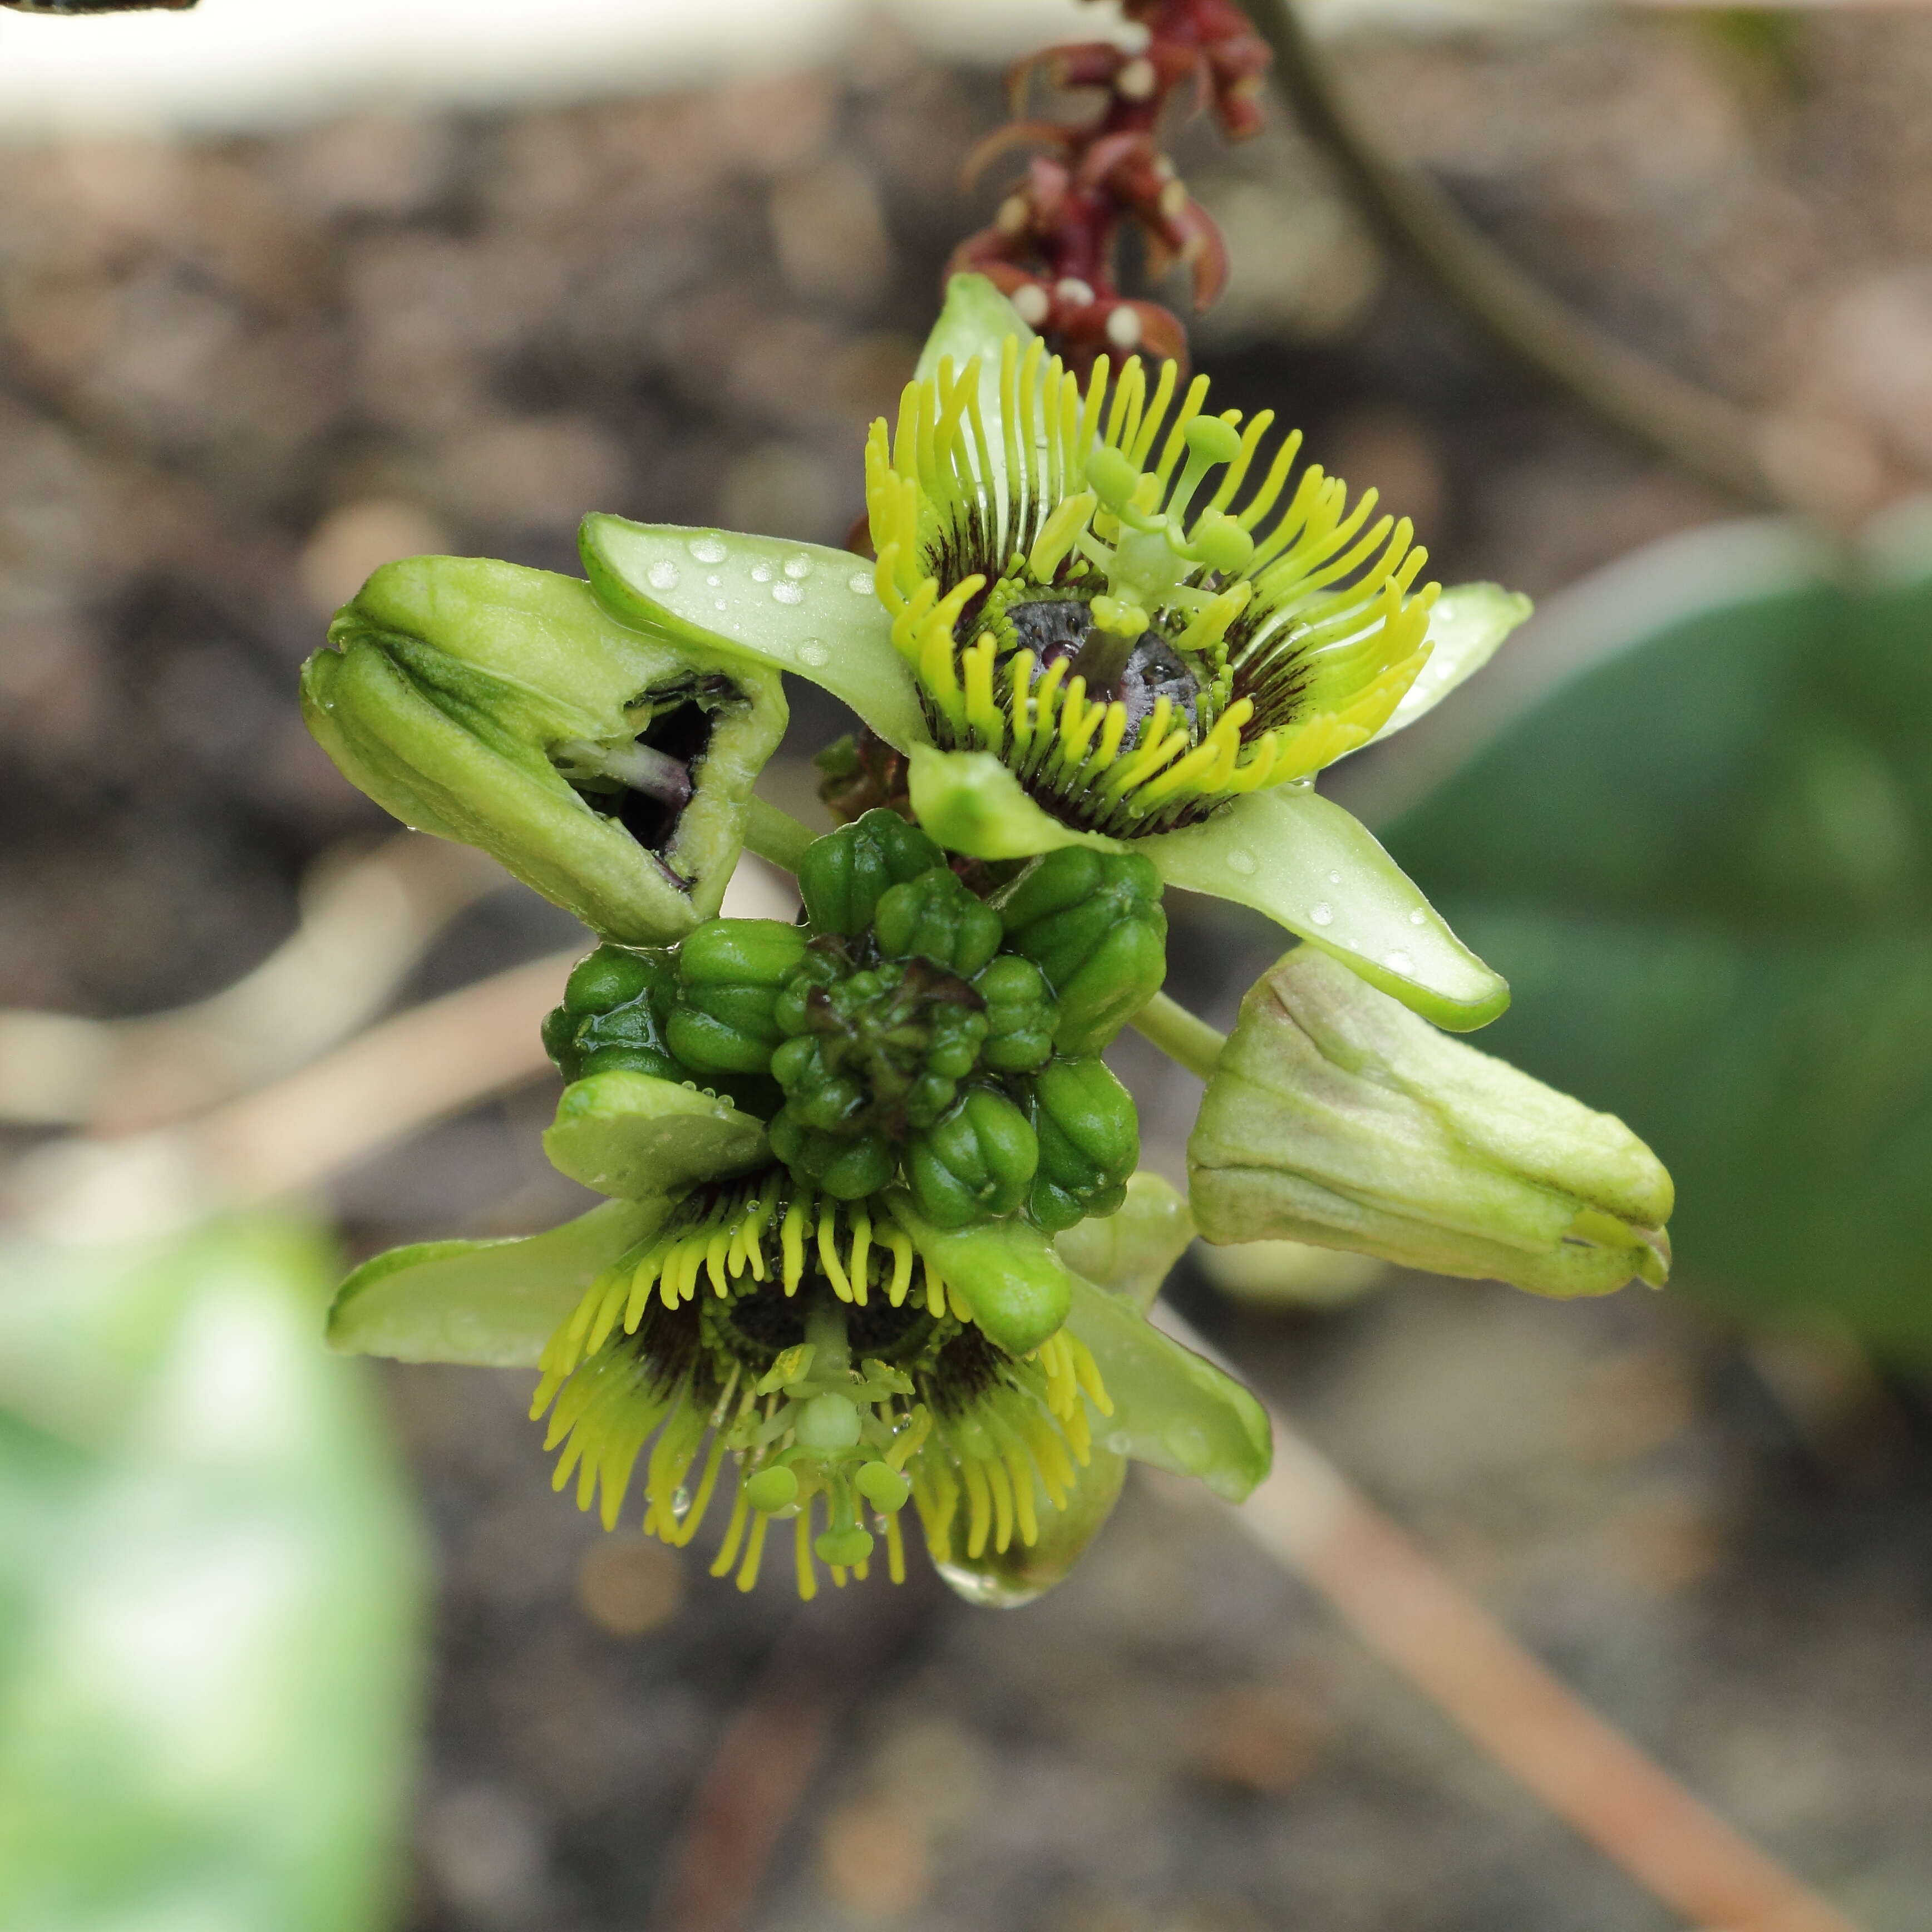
(645, 783)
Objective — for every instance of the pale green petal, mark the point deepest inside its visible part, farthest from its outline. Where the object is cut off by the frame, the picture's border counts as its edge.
(1467, 623)
(1317, 870)
(1005, 1271)
(971, 803)
(975, 320)
(1171, 1408)
(795, 606)
(1129, 1253)
(494, 1304)
(635, 1136)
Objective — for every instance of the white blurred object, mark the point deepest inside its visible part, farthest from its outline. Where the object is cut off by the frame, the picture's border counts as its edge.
(252, 63)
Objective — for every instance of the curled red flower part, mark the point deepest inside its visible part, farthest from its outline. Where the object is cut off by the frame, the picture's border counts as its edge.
(1053, 247)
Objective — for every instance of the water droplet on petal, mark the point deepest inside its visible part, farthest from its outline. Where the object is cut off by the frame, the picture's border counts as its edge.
(719, 605)
(1418, 917)
(861, 583)
(798, 566)
(1241, 860)
(761, 572)
(812, 652)
(1399, 962)
(1322, 915)
(714, 581)
(1334, 878)
(706, 550)
(662, 576)
(788, 593)
(680, 1503)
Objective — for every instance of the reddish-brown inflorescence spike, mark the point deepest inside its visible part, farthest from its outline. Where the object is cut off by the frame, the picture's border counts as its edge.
(1053, 245)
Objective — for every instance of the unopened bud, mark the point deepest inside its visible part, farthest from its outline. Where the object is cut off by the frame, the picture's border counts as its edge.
(1338, 1118)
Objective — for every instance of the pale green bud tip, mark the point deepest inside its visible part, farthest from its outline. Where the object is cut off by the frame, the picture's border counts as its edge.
(1338, 1118)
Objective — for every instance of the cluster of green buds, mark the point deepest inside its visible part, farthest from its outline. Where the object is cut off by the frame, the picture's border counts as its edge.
(910, 1034)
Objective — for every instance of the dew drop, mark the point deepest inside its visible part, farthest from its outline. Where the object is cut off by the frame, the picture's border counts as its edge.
(1399, 962)
(761, 572)
(798, 566)
(812, 652)
(1322, 915)
(718, 604)
(1241, 860)
(1334, 878)
(662, 576)
(1418, 917)
(861, 582)
(788, 593)
(706, 550)
(714, 581)
(680, 1502)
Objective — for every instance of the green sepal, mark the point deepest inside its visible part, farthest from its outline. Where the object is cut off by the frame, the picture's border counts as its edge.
(972, 803)
(453, 679)
(1467, 623)
(1005, 1272)
(1288, 852)
(1130, 1251)
(492, 1304)
(1171, 1408)
(1318, 871)
(977, 320)
(834, 632)
(634, 1137)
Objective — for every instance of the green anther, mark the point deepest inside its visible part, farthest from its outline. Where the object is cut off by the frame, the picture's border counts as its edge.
(612, 1017)
(1219, 541)
(730, 973)
(844, 1549)
(1213, 439)
(883, 1487)
(828, 1425)
(842, 875)
(772, 1490)
(1112, 476)
(1089, 1143)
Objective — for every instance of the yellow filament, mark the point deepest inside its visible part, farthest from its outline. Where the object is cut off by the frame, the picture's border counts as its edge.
(754, 1550)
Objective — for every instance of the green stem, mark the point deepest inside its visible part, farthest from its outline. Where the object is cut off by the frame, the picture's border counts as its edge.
(776, 835)
(1181, 1035)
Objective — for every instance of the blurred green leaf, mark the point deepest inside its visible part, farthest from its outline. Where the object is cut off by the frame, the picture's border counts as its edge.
(209, 1594)
(1694, 828)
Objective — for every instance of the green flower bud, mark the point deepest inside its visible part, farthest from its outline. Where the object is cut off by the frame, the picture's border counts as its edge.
(730, 973)
(1338, 1118)
(612, 1017)
(1089, 1142)
(1021, 1016)
(1094, 923)
(846, 1167)
(501, 707)
(934, 917)
(842, 875)
(975, 1162)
